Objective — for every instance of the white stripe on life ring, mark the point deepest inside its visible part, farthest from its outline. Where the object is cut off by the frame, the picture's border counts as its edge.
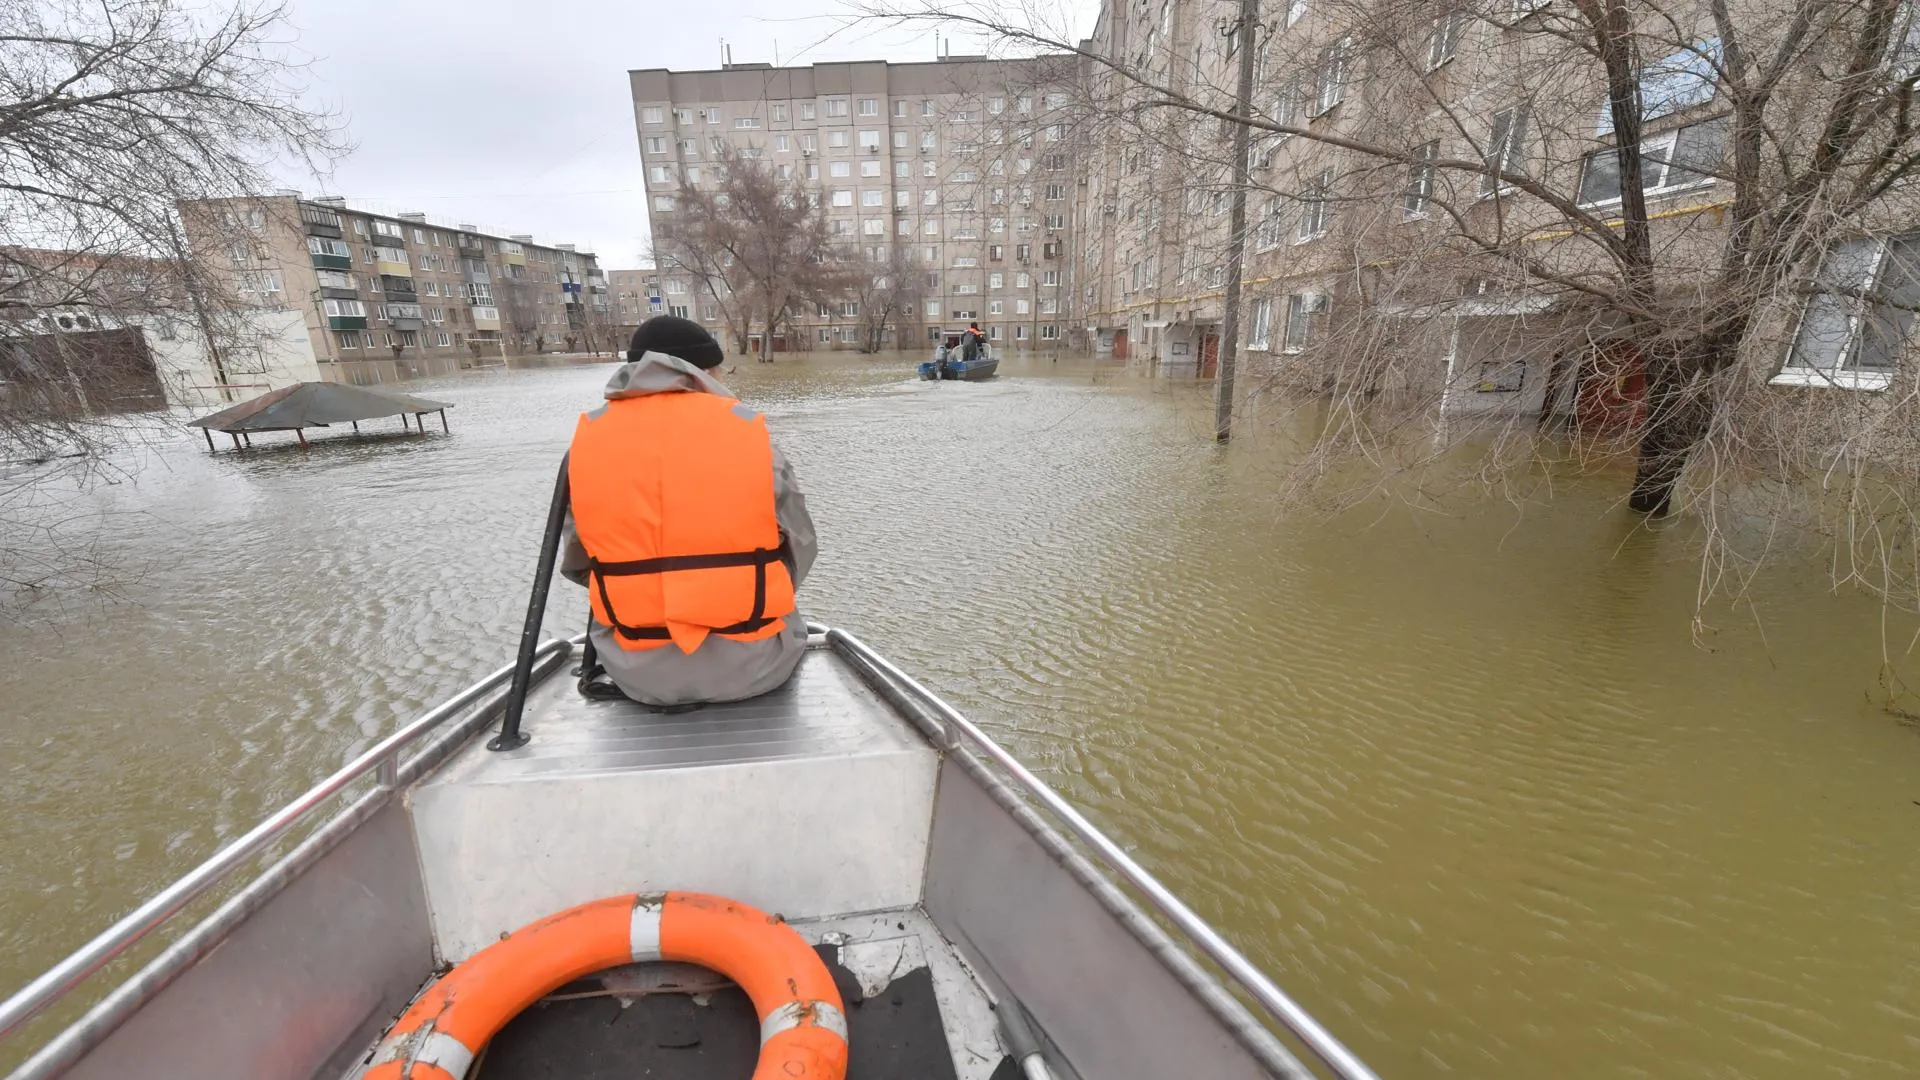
(643, 934)
(794, 1013)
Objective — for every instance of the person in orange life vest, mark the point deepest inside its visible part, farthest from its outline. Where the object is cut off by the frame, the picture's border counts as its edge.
(974, 342)
(687, 528)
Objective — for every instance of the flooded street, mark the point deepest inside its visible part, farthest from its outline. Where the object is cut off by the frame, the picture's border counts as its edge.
(1462, 783)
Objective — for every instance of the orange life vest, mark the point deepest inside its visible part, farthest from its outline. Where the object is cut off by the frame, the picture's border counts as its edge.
(673, 499)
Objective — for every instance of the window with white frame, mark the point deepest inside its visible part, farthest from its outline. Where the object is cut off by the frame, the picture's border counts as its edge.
(663, 204)
(779, 112)
(693, 174)
(1315, 206)
(1023, 104)
(782, 144)
(842, 227)
(1670, 161)
(746, 123)
(1020, 333)
(1049, 332)
(689, 147)
(1055, 132)
(1296, 10)
(712, 115)
(930, 197)
(899, 110)
(837, 139)
(1022, 306)
(683, 116)
(839, 169)
(349, 339)
(1049, 279)
(933, 309)
(900, 170)
(903, 227)
(806, 110)
(874, 227)
(1022, 279)
(930, 227)
(1302, 310)
(335, 279)
(717, 145)
(1260, 326)
(813, 171)
(344, 309)
(870, 140)
(873, 197)
(1420, 180)
(1334, 64)
(1444, 40)
(656, 144)
(836, 106)
(843, 197)
(1506, 149)
(869, 168)
(996, 307)
(1854, 327)
(1056, 192)
(929, 141)
(902, 197)
(996, 280)
(661, 174)
(869, 106)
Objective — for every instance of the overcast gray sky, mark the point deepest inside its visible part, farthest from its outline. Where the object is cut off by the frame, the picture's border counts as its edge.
(514, 115)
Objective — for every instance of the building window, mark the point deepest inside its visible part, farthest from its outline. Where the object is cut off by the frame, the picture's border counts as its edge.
(996, 252)
(843, 197)
(869, 140)
(683, 116)
(813, 171)
(869, 106)
(1313, 207)
(779, 112)
(1049, 332)
(1055, 132)
(746, 123)
(873, 197)
(1260, 326)
(997, 225)
(1506, 149)
(931, 226)
(836, 139)
(344, 309)
(663, 203)
(1049, 279)
(717, 146)
(840, 168)
(806, 110)
(930, 197)
(1022, 306)
(1854, 327)
(836, 106)
(689, 147)
(926, 108)
(782, 144)
(661, 174)
(1420, 180)
(348, 339)
(1055, 221)
(1333, 76)
(443, 339)
(869, 168)
(1444, 42)
(1669, 162)
(899, 110)
(874, 227)
(930, 169)
(1024, 104)
(1302, 309)
(996, 106)
(656, 144)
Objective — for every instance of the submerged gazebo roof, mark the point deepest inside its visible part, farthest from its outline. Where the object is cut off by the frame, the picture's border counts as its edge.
(315, 404)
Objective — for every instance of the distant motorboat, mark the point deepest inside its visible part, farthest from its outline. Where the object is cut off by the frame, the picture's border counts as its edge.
(945, 364)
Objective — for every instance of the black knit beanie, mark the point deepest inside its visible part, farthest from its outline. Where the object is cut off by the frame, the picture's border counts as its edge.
(679, 337)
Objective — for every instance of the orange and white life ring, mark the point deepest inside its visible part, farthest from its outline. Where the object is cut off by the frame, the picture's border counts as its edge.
(803, 1025)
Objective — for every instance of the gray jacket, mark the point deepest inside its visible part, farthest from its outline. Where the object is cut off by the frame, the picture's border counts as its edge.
(721, 669)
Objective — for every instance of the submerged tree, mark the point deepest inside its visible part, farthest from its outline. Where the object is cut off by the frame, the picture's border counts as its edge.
(889, 295)
(1683, 227)
(111, 115)
(758, 245)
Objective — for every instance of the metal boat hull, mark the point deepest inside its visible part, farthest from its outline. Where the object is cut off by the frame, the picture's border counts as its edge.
(850, 801)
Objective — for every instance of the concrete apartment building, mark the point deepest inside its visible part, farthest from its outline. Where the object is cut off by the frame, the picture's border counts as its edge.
(385, 297)
(636, 298)
(966, 163)
(1332, 232)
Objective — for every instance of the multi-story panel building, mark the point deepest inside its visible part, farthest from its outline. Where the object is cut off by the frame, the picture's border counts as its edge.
(1447, 216)
(636, 298)
(387, 294)
(964, 166)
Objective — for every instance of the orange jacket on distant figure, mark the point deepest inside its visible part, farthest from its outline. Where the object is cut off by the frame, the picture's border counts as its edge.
(673, 500)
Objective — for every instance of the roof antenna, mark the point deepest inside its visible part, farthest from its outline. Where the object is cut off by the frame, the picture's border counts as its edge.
(723, 52)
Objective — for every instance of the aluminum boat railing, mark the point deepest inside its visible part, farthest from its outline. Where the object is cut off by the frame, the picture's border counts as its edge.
(480, 700)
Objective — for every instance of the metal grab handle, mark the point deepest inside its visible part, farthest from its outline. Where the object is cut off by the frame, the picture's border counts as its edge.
(511, 737)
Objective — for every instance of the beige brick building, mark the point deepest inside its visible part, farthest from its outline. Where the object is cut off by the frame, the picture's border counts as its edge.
(966, 164)
(392, 296)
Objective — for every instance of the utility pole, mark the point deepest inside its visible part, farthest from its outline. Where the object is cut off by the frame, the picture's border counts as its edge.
(1247, 33)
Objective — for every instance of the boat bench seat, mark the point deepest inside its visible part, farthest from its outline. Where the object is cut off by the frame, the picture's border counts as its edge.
(775, 801)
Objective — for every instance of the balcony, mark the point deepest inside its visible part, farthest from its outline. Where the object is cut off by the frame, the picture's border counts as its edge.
(346, 322)
(332, 262)
(320, 222)
(332, 293)
(470, 248)
(398, 289)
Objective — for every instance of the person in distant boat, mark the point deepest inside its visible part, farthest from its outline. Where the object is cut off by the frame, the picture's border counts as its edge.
(687, 529)
(972, 342)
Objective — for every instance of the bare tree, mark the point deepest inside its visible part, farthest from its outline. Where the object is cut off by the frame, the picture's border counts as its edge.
(889, 296)
(111, 115)
(519, 308)
(756, 243)
(1644, 221)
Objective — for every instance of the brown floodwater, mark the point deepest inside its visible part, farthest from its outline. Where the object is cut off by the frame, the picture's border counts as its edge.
(1464, 780)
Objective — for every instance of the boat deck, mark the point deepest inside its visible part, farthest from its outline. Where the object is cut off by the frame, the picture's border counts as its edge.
(914, 1012)
(814, 801)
